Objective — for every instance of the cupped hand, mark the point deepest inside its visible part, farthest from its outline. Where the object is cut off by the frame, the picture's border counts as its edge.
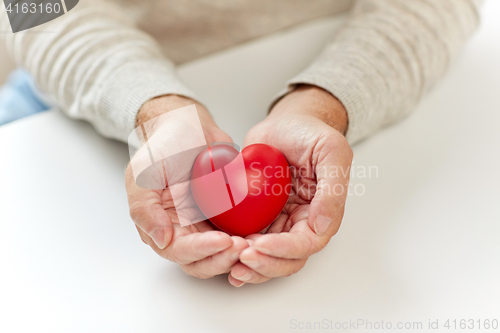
(199, 249)
(307, 126)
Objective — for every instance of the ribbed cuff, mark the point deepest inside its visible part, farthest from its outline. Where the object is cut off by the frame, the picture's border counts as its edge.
(127, 88)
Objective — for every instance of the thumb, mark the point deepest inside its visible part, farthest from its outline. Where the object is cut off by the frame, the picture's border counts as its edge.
(147, 212)
(332, 174)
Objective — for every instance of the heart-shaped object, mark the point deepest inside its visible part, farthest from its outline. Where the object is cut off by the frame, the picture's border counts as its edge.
(241, 193)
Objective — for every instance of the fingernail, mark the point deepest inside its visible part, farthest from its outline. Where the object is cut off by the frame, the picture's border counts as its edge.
(245, 277)
(263, 250)
(240, 285)
(220, 249)
(250, 242)
(321, 224)
(158, 236)
(251, 264)
(234, 256)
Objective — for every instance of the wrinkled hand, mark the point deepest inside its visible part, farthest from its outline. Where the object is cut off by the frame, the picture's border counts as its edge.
(199, 249)
(307, 126)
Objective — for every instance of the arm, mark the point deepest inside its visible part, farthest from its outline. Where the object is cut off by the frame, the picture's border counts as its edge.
(98, 67)
(95, 65)
(388, 55)
(307, 126)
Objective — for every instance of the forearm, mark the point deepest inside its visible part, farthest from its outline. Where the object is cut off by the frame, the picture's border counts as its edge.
(387, 57)
(95, 65)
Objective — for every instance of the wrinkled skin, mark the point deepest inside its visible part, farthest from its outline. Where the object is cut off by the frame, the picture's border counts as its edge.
(313, 214)
(199, 249)
(307, 126)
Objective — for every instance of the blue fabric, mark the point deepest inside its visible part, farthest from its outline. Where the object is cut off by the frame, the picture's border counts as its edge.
(19, 97)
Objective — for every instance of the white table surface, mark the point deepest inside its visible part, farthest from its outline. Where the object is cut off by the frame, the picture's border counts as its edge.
(421, 244)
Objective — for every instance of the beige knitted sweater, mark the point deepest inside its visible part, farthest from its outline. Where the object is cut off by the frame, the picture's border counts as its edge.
(104, 59)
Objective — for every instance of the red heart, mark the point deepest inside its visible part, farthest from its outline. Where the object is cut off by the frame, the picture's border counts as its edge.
(241, 193)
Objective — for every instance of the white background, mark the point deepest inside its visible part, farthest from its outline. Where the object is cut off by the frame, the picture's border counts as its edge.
(421, 243)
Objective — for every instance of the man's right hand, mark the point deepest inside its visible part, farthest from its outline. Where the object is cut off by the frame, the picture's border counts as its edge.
(200, 249)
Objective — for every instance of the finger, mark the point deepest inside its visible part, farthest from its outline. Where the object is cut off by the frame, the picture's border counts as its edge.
(269, 266)
(197, 246)
(253, 237)
(333, 162)
(241, 274)
(144, 237)
(299, 244)
(219, 263)
(234, 282)
(147, 213)
(279, 224)
(154, 221)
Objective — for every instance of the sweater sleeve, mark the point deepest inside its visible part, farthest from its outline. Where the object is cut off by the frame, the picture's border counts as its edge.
(95, 65)
(388, 55)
